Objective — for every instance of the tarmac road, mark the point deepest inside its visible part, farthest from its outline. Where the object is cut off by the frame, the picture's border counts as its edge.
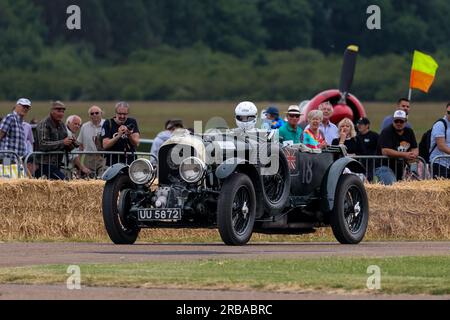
(26, 254)
(60, 292)
(23, 254)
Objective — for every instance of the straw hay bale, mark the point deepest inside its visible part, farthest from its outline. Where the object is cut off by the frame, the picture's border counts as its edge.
(39, 209)
(56, 210)
(410, 210)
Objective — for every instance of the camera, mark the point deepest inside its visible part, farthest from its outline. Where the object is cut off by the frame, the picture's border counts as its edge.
(130, 127)
(75, 144)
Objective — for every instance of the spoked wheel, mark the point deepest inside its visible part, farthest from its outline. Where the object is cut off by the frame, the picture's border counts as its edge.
(116, 204)
(350, 215)
(236, 210)
(276, 187)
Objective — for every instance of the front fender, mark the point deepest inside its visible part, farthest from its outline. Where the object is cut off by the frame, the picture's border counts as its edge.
(331, 180)
(228, 167)
(114, 171)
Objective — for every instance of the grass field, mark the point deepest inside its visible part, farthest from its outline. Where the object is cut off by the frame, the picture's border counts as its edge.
(399, 275)
(152, 115)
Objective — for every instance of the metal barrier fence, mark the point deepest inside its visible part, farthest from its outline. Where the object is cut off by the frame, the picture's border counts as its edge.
(439, 169)
(62, 165)
(11, 165)
(377, 168)
(46, 164)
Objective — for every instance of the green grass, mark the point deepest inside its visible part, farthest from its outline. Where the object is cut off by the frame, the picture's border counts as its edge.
(399, 275)
(152, 115)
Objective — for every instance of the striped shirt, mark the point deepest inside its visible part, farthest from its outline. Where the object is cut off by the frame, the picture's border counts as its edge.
(14, 139)
(311, 140)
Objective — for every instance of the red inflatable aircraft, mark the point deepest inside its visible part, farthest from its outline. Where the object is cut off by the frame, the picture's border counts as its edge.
(345, 105)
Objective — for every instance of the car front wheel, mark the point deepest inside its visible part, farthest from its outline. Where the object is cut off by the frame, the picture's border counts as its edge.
(116, 203)
(350, 216)
(236, 210)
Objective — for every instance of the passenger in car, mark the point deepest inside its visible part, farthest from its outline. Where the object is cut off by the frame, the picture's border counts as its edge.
(347, 138)
(291, 132)
(313, 137)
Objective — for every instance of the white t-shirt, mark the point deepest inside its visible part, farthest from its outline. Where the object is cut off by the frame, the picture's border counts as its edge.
(88, 133)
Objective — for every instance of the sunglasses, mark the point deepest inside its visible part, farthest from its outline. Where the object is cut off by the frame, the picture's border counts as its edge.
(296, 116)
(404, 106)
(448, 112)
(399, 121)
(95, 113)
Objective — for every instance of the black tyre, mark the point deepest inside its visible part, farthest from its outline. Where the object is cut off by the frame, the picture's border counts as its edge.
(236, 210)
(350, 215)
(116, 203)
(276, 188)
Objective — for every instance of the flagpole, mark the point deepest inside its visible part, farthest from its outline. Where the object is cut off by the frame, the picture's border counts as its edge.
(411, 79)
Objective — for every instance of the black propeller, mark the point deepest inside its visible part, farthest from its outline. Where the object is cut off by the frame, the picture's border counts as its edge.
(348, 72)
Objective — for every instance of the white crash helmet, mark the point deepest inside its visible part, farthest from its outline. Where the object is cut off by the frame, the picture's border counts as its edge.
(246, 114)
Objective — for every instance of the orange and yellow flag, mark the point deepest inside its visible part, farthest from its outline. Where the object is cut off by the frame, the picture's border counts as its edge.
(423, 71)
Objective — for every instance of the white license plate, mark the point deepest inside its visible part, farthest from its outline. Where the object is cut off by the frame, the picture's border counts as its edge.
(159, 214)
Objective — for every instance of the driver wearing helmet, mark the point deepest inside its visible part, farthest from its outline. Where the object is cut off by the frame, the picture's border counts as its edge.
(246, 114)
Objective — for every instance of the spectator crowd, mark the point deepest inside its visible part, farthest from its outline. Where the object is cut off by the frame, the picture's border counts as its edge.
(53, 150)
(121, 135)
(386, 156)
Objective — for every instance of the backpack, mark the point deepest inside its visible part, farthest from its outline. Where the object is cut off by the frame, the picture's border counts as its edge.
(425, 149)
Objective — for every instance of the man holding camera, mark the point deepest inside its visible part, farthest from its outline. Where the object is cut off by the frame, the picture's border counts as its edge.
(52, 137)
(121, 134)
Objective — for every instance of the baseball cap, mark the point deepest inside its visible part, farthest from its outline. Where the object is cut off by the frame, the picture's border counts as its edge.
(364, 121)
(273, 111)
(400, 114)
(294, 110)
(24, 102)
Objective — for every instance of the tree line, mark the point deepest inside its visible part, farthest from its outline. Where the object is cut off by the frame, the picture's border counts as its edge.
(214, 49)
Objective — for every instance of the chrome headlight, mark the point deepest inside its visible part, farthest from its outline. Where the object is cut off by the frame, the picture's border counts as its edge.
(141, 171)
(192, 169)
